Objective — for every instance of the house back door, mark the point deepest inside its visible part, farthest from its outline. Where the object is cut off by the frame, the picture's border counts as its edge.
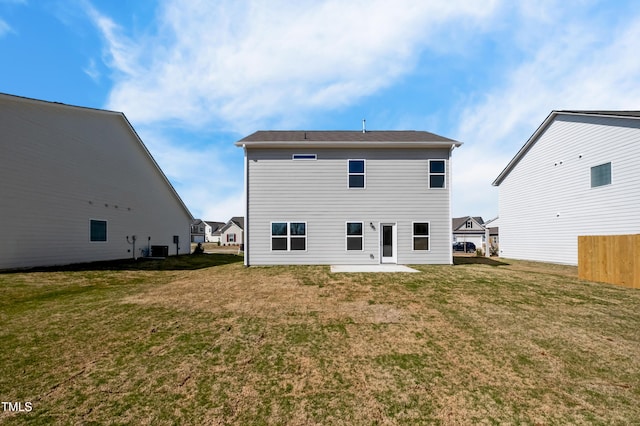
(388, 243)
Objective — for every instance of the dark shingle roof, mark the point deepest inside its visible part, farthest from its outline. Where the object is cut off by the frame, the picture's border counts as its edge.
(603, 112)
(343, 136)
(457, 222)
(238, 220)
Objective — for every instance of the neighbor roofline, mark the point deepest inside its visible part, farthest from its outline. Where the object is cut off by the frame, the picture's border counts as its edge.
(532, 140)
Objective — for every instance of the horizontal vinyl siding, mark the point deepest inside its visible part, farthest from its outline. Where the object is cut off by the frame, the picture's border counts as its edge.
(547, 201)
(316, 192)
(61, 167)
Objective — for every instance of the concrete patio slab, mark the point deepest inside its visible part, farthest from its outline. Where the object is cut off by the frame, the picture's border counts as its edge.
(371, 268)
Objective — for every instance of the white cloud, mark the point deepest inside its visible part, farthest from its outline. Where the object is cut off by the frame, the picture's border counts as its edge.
(208, 178)
(4, 28)
(92, 70)
(579, 66)
(238, 64)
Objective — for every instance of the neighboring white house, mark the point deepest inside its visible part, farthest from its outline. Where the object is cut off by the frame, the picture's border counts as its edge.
(468, 229)
(347, 197)
(77, 185)
(199, 228)
(493, 226)
(215, 231)
(205, 231)
(578, 174)
(232, 233)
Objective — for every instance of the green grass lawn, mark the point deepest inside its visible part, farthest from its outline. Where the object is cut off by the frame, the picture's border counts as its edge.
(204, 340)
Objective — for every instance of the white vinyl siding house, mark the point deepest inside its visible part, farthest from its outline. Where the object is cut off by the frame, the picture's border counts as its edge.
(364, 199)
(468, 229)
(232, 233)
(577, 175)
(77, 184)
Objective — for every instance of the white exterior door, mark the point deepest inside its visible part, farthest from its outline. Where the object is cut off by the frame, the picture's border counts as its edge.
(388, 243)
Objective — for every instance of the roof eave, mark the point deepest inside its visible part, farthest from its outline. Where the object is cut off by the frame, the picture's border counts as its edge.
(347, 144)
(516, 159)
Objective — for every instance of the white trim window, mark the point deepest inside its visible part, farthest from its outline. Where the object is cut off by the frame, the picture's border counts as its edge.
(601, 175)
(420, 236)
(354, 236)
(356, 174)
(288, 236)
(437, 174)
(97, 231)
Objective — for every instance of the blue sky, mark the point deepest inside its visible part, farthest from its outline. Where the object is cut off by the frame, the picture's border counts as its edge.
(195, 76)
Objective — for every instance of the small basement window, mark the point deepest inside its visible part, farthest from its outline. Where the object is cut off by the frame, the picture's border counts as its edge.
(601, 175)
(304, 157)
(98, 230)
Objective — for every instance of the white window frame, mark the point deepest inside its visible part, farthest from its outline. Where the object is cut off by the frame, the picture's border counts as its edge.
(289, 236)
(414, 236)
(429, 174)
(304, 157)
(106, 224)
(363, 174)
(347, 236)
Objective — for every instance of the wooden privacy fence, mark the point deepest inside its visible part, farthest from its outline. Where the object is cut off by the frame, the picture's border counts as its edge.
(613, 259)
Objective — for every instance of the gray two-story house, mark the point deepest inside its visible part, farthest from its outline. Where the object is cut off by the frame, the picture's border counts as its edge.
(347, 197)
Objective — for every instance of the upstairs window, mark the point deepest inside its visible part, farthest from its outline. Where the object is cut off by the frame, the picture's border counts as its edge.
(601, 175)
(356, 173)
(355, 236)
(98, 230)
(436, 174)
(421, 236)
(288, 236)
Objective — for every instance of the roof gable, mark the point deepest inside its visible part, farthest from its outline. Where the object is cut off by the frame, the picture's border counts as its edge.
(629, 115)
(459, 222)
(236, 220)
(105, 115)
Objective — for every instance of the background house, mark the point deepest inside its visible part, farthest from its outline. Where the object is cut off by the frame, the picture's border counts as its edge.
(215, 231)
(198, 230)
(468, 229)
(493, 226)
(577, 175)
(84, 183)
(341, 197)
(232, 233)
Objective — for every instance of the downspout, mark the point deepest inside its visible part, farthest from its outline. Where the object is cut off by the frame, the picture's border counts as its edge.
(246, 206)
